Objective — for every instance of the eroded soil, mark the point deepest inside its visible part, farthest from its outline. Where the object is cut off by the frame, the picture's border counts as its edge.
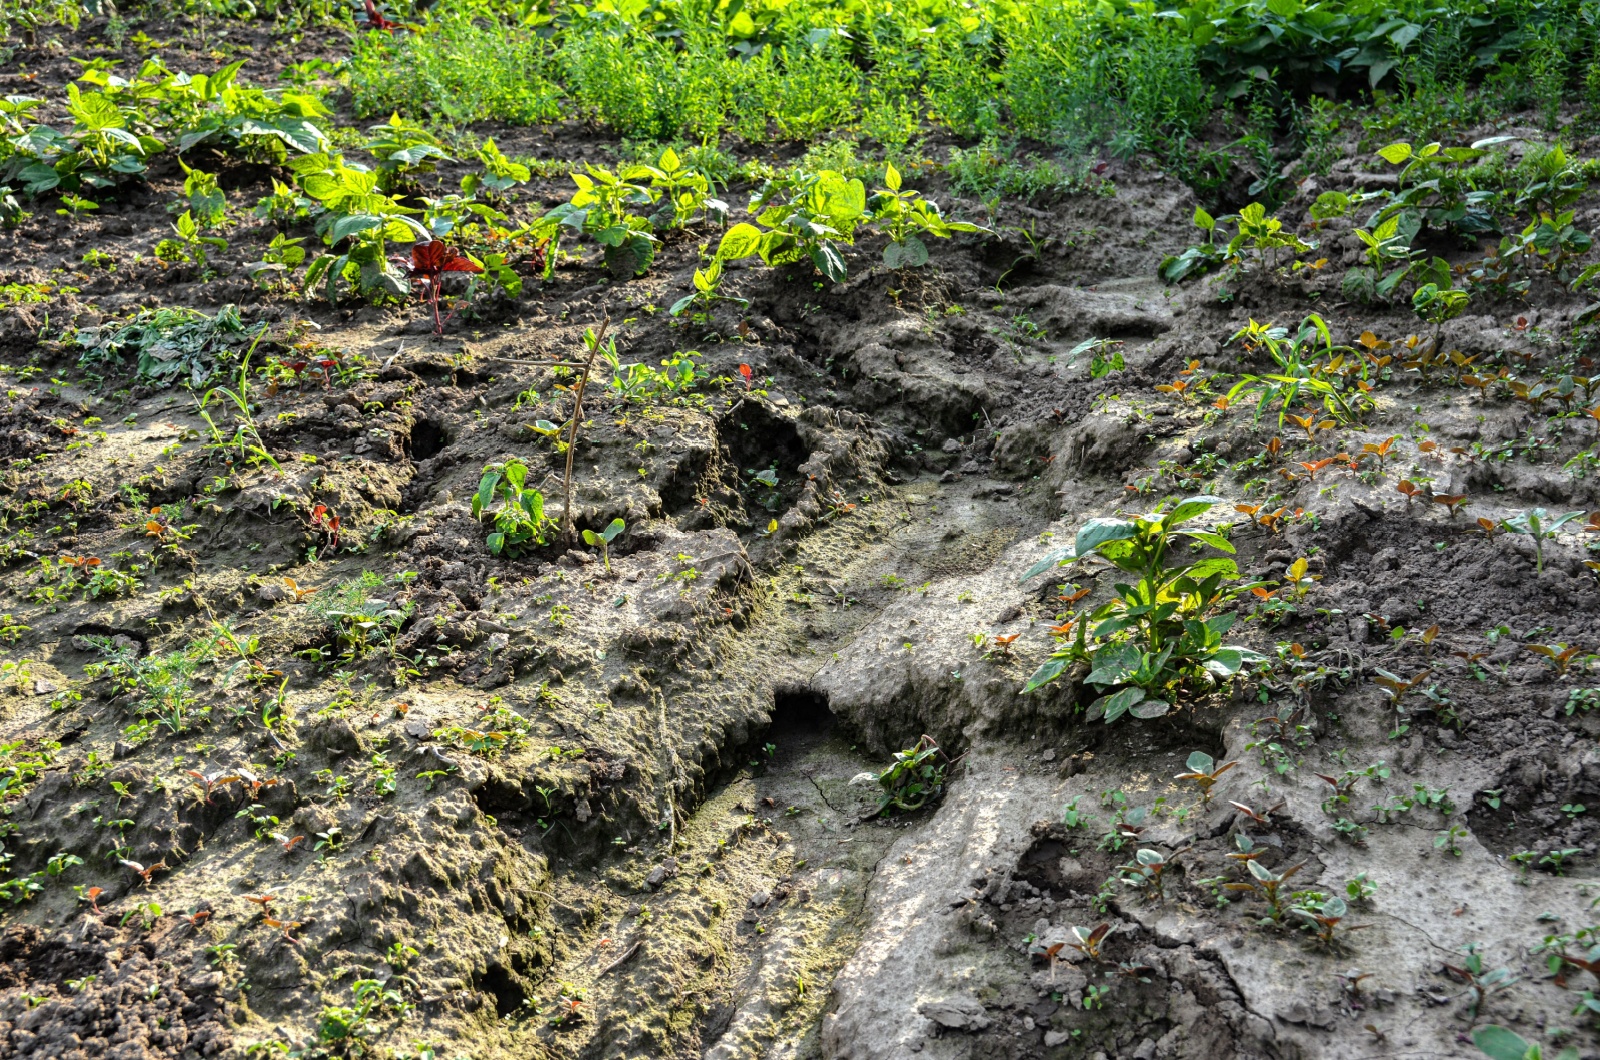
(570, 805)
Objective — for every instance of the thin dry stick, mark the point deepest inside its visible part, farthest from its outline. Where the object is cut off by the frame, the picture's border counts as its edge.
(572, 435)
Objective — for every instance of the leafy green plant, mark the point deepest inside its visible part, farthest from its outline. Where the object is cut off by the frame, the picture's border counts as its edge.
(907, 218)
(1301, 371)
(1205, 773)
(807, 216)
(1483, 982)
(1153, 639)
(1438, 306)
(916, 775)
(519, 521)
(189, 246)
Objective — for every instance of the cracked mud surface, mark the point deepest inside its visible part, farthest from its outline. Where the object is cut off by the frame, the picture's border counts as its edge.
(628, 819)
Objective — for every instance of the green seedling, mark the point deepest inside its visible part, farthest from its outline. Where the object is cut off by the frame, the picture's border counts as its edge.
(520, 521)
(1539, 525)
(603, 540)
(1147, 872)
(1482, 983)
(1326, 917)
(1205, 773)
(916, 775)
(1268, 884)
(1089, 942)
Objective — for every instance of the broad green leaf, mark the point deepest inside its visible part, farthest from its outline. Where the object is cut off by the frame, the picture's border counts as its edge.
(891, 177)
(1115, 705)
(1190, 507)
(1048, 671)
(1148, 708)
(1200, 762)
(1204, 220)
(1097, 532)
(1216, 541)
(615, 527)
(1059, 557)
(1394, 154)
(740, 241)
(1498, 1043)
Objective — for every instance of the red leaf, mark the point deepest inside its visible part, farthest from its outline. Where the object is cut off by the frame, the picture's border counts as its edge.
(433, 257)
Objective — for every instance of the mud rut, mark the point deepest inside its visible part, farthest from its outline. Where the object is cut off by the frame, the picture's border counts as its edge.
(676, 858)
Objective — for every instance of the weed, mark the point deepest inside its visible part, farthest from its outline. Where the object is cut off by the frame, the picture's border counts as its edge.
(1205, 773)
(916, 775)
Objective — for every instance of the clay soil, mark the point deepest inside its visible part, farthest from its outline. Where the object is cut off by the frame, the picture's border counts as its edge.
(567, 805)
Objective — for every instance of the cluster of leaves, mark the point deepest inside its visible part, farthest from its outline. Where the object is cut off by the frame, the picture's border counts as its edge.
(170, 345)
(1157, 638)
(119, 123)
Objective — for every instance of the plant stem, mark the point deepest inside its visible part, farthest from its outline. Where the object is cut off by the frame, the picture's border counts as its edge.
(572, 435)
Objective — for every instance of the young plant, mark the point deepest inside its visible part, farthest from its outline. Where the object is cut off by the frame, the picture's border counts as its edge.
(428, 265)
(1205, 773)
(916, 775)
(1325, 918)
(1483, 983)
(603, 540)
(519, 522)
(1498, 1043)
(1540, 525)
(1268, 884)
(1153, 639)
(906, 217)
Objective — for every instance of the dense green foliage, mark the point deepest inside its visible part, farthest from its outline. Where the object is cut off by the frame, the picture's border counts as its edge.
(1136, 76)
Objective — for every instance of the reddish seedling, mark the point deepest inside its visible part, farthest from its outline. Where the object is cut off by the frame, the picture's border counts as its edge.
(1489, 527)
(747, 375)
(196, 918)
(1248, 850)
(210, 782)
(1003, 644)
(376, 20)
(1260, 817)
(1274, 447)
(1381, 450)
(1559, 655)
(1394, 686)
(1311, 425)
(286, 926)
(429, 262)
(1268, 884)
(1454, 502)
(1073, 597)
(294, 589)
(1313, 466)
(1089, 942)
(143, 872)
(1327, 918)
(1205, 773)
(325, 522)
(1410, 490)
(92, 896)
(263, 900)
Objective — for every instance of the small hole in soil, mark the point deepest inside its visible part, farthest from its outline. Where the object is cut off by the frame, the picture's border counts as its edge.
(508, 996)
(797, 713)
(427, 438)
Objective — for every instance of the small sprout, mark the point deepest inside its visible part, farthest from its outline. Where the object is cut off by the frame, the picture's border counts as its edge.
(142, 871)
(1559, 655)
(1326, 918)
(1410, 490)
(1498, 1043)
(1539, 525)
(1089, 941)
(1454, 502)
(1264, 881)
(1262, 818)
(1205, 772)
(1448, 840)
(603, 540)
(1482, 983)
